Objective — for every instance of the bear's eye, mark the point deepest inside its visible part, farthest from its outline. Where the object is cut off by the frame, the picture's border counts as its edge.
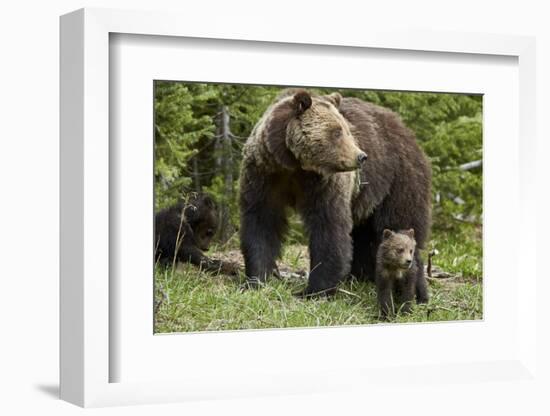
(336, 133)
(411, 252)
(400, 250)
(209, 232)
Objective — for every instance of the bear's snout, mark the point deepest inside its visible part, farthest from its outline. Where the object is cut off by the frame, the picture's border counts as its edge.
(361, 158)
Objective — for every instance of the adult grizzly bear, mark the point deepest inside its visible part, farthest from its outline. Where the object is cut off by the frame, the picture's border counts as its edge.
(310, 152)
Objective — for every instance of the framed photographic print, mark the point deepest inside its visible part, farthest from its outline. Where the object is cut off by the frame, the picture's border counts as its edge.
(286, 213)
(209, 168)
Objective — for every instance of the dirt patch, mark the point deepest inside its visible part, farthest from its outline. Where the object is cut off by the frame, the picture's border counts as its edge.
(297, 268)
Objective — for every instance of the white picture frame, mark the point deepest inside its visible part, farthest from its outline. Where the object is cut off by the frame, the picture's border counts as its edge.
(86, 356)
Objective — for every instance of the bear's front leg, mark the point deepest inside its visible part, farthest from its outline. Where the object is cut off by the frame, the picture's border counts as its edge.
(262, 230)
(330, 248)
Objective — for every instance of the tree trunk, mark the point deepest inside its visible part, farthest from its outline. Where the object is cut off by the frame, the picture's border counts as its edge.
(225, 163)
(196, 173)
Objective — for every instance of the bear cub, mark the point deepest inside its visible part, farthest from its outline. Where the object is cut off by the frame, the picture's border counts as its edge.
(185, 230)
(396, 272)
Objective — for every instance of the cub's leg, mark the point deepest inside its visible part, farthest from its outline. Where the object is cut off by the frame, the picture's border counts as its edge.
(422, 295)
(407, 289)
(384, 293)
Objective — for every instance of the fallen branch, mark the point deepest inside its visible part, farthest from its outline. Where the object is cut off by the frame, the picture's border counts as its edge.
(437, 273)
(471, 165)
(289, 275)
(349, 293)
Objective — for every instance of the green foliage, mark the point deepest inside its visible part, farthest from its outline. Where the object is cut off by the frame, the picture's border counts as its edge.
(194, 151)
(179, 127)
(458, 192)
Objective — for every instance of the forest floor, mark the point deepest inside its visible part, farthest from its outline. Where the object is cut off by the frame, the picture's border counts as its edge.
(189, 300)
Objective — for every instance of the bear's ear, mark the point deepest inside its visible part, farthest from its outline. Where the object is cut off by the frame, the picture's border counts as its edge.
(275, 132)
(410, 233)
(207, 201)
(191, 211)
(335, 99)
(387, 233)
(302, 101)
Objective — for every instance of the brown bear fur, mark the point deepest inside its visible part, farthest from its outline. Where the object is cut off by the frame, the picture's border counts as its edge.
(305, 153)
(396, 271)
(185, 230)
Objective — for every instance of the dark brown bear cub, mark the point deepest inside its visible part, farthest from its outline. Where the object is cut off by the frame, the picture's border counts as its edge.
(185, 230)
(397, 272)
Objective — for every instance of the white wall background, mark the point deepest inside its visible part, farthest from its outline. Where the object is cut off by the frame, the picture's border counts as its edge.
(29, 102)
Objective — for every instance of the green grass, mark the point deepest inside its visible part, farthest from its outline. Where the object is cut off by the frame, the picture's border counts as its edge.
(460, 251)
(193, 300)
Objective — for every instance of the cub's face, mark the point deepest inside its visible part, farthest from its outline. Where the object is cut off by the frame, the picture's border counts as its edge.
(398, 248)
(202, 216)
(309, 132)
(205, 230)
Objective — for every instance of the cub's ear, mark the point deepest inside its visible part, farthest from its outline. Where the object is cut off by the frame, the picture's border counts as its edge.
(335, 99)
(387, 234)
(302, 101)
(410, 232)
(191, 211)
(275, 131)
(208, 202)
